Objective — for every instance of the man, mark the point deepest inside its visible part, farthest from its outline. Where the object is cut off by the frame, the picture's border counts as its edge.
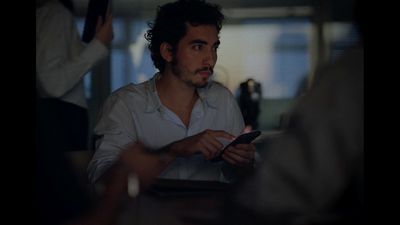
(178, 112)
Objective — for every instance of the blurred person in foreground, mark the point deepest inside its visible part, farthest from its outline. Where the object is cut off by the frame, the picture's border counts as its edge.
(178, 112)
(314, 172)
(61, 199)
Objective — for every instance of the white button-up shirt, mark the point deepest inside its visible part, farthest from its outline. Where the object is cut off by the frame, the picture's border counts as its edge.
(135, 112)
(62, 59)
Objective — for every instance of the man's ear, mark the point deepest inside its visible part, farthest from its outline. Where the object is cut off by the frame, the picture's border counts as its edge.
(166, 51)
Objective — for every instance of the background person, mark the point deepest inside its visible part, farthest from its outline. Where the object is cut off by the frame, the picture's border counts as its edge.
(62, 60)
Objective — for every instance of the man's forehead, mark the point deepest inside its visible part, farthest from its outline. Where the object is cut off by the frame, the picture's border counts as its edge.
(207, 33)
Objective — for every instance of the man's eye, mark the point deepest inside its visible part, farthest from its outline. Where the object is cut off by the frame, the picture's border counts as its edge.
(197, 47)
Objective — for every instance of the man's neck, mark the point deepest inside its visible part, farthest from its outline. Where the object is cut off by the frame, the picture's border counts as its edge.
(176, 95)
(169, 86)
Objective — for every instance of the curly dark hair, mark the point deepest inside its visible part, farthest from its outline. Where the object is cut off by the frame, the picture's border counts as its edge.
(170, 24)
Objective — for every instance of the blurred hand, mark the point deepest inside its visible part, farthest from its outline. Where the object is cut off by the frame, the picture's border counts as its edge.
(205, 143)
(241, 155)
(147, 166)
(104, 31)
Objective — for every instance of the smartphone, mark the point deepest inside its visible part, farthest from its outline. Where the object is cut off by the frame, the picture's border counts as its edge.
(245, 138)
(95, 9)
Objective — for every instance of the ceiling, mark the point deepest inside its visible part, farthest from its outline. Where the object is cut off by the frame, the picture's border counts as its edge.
(339, 10)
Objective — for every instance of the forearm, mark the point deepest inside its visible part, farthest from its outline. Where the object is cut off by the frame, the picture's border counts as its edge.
(145, 164)
(136, 159)
(167, 154)
(57, 73)
(114, 177)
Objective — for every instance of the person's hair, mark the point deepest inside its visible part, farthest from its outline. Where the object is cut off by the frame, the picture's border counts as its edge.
(170, 24)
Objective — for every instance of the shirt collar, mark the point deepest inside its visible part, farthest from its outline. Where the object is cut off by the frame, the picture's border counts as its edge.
(152, 99)
(206, 95)
(154, 103)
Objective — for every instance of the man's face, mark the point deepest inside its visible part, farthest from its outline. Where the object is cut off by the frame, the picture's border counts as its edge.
(196, 55)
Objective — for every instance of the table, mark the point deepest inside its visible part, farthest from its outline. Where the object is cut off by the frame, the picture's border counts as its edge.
(173, 208)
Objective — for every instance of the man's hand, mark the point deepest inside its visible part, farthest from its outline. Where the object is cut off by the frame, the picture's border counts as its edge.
(241, 155)
(205, 143)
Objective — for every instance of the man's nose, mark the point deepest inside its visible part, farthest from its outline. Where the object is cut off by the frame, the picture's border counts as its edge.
(210, 58)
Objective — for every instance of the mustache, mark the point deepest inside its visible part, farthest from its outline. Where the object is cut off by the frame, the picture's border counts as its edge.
(205, 69)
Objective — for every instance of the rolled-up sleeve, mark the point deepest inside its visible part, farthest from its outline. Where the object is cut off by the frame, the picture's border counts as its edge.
(115, 130)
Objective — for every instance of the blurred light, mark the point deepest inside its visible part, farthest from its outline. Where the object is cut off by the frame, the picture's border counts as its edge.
(269, 12)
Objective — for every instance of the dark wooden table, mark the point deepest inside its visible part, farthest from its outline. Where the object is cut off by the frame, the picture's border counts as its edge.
(174, 205)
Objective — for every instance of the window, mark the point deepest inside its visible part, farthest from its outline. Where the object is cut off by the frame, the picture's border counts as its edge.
(130, 60)
(272, 51)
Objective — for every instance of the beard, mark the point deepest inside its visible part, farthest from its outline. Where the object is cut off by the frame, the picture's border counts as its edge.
(182, 73)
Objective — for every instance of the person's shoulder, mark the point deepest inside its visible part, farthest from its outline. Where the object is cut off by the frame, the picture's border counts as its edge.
(131, 96)
(218, 92)
(55, 7)
(349, 64)
(134, 96)
(217, 87)
(130, 91)
(54, 11)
